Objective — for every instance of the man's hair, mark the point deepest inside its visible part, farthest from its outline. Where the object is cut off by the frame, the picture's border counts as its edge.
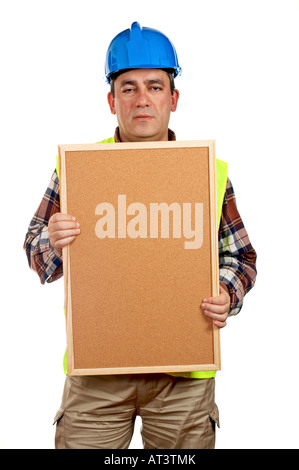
(116, 74)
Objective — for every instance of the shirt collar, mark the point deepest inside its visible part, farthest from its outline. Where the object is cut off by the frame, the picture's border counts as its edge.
(171, 135)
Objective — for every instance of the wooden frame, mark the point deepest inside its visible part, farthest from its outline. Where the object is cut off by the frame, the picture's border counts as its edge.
(101, 334)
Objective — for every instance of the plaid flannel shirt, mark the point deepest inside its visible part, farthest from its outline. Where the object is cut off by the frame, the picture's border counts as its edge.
(237, 257)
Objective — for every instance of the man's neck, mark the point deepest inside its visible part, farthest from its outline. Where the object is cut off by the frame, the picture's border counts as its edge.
(171, 135)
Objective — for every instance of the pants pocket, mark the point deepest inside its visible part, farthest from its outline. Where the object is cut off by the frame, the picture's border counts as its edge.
(214, 416)
(58, 416)
(59, 435)
(212, 421)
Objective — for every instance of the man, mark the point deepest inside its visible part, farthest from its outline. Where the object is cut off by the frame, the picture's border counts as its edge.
(178, 411)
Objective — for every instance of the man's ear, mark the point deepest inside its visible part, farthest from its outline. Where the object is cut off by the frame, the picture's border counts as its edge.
(175, 98)
(111, 102)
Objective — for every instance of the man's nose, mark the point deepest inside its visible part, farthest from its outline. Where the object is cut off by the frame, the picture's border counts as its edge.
(142, 98)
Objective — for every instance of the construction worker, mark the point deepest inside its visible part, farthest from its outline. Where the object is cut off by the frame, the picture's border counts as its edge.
(178, 411)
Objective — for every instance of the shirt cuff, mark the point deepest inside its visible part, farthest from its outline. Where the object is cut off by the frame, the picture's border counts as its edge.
(53, 269)
(236, 293)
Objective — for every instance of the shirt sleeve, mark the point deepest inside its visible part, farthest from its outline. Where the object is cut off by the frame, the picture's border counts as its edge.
(40, 253)
(237, 257)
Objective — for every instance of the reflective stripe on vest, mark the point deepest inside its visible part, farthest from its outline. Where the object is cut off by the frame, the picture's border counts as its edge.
(221, 171)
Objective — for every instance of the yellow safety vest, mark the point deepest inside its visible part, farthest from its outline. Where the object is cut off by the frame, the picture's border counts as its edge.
(221, 171)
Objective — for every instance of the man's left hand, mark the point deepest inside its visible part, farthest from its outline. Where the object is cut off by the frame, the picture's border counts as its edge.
(218, 307)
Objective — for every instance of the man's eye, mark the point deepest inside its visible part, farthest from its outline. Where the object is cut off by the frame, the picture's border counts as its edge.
(127, 90)
(156, 88)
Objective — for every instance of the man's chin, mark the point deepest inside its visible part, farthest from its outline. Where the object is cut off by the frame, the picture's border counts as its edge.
(145, 134)
(144, 131)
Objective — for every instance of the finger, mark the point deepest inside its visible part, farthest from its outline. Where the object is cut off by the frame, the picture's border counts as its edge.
(59, 244)
(216, 316)
(218, 320)
(59, 216)
(220, 324)
(218, 300)
(63, 225)
(215, 308)
(222, 299)
(63, 234)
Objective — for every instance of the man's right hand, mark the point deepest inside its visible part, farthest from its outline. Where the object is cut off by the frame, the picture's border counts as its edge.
(63, 229)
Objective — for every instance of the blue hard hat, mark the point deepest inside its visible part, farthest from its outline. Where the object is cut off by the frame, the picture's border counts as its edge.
(140, 48)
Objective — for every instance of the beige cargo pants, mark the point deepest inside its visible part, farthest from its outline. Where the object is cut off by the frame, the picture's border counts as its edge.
(99, 412)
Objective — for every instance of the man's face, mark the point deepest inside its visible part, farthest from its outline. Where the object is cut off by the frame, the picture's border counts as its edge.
(143, 102)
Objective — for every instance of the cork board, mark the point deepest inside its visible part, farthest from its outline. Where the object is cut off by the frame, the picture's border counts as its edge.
(146, 256)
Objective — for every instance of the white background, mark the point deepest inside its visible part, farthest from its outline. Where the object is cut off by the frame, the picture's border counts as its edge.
(240, 87)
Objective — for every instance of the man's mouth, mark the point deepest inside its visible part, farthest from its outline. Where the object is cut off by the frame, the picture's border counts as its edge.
(143, 117)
